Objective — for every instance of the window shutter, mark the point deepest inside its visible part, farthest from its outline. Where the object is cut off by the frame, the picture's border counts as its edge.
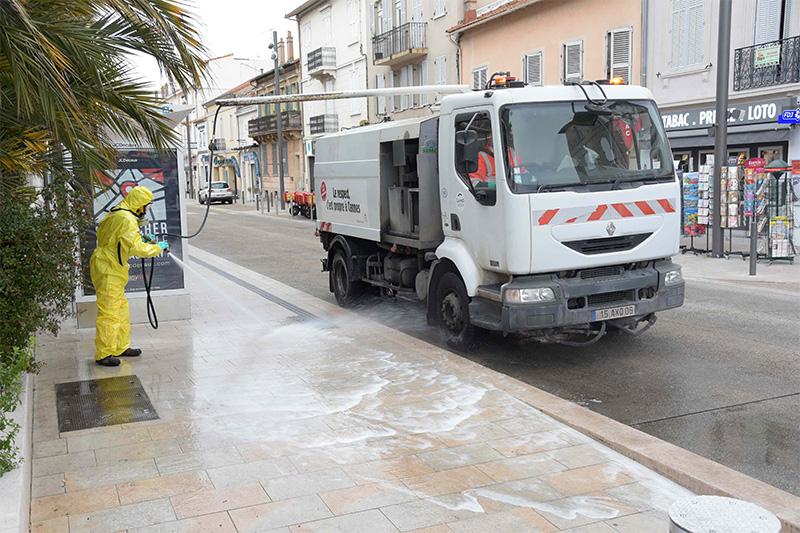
(404, 82)
(306, 38)
(353, 16)
(440, 64)
(696, 17)
(620, 52)
(479, 76)
(355, 103)
(533, 69)
(440, 8)
(573, 61)
(390, 83)
(416, 11)
(423, 80)
(380, 84)
(768, 21)
(688, 30)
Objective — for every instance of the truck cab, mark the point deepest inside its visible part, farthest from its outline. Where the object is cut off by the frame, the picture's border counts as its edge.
(548, 210)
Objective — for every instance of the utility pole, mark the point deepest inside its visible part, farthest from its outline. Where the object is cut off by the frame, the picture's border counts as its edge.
(278, 125)
(721, 124)
(189, 158)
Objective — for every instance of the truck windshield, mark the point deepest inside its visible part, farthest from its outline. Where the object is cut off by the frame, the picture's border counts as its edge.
(562, 145)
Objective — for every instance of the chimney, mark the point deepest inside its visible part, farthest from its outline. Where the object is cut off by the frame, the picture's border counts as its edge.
(470, 5)
(289, 47)
(281, 52)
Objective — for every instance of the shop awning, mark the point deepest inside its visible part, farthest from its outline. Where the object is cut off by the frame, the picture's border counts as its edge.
(749, 134)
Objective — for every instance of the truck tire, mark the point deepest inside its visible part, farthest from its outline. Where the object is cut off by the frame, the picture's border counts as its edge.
(452, 311)
(344, 288)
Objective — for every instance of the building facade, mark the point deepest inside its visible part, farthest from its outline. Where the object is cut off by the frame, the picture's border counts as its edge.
(540, 42)
(263, 128)
(224, 72)
(764, 76)
(410, 46)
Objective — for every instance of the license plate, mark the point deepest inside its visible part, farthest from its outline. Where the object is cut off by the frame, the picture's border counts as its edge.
(611, 313)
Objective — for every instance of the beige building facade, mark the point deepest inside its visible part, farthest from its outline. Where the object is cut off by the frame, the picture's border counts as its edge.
(549, 42)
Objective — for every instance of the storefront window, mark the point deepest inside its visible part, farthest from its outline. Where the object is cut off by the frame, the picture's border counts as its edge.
(770, 153)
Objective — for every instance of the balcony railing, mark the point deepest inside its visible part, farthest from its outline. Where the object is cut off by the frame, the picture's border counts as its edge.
(323, 124)
(404, 42)
(267, 125)
(322, 60)
(766, 65)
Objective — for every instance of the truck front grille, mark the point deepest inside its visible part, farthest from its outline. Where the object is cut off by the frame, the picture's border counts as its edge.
(609, 297)
(601, 272)
(607, 244)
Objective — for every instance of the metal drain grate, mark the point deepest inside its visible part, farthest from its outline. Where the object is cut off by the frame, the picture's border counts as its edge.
(102, 402)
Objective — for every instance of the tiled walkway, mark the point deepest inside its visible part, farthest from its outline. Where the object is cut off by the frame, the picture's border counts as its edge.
(272, 421)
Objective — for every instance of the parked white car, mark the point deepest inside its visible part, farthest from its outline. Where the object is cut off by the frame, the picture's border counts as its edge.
(220, 192)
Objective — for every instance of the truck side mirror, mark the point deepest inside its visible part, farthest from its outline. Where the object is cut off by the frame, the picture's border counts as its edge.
(467, 151)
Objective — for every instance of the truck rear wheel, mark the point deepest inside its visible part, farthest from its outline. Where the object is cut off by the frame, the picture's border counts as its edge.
(452, 304)
(345, 289)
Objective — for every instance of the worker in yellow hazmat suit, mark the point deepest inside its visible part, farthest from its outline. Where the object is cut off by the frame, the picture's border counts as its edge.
(118, 239)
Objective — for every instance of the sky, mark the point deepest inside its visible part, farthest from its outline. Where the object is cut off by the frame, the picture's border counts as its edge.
(241, 27)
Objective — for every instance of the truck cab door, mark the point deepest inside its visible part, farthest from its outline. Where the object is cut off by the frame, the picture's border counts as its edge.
(472, 182)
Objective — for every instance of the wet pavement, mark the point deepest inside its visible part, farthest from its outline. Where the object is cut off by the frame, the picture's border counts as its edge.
(719, 377)
(280, 412)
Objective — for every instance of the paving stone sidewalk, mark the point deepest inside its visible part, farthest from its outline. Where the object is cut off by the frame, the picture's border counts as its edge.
(280, 412)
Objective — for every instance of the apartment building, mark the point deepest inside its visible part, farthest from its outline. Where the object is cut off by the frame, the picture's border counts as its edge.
(764, 76)
(550, 42)
(409, 47)
(264, 128)
(224, 72)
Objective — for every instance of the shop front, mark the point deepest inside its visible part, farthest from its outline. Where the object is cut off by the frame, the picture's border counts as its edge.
(749, 189)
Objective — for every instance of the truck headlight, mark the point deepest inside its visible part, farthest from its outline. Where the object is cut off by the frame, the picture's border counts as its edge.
(673, 277)
(524, 296)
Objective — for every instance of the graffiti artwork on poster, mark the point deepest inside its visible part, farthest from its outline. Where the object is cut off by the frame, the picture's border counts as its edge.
(159, 173)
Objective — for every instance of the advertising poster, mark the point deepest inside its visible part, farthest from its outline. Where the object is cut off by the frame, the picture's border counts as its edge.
(159, 173)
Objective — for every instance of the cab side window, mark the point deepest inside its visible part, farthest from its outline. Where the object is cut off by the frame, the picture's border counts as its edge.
(475, 155)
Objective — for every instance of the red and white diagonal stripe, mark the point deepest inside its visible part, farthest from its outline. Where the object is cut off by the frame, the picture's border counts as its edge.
(571, 215)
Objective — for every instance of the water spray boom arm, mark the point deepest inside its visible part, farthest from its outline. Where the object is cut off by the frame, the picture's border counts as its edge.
(343, 95)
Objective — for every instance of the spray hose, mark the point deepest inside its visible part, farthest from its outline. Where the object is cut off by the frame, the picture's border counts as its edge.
(152, 317)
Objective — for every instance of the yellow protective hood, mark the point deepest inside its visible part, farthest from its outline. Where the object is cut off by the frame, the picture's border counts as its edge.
(137, 198)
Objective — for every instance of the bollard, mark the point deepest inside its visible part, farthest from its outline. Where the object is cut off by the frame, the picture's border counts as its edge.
(753, 245)
(717, 514)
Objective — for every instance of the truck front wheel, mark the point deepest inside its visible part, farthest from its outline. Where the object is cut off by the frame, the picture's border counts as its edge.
(345, 290)
(452, 305)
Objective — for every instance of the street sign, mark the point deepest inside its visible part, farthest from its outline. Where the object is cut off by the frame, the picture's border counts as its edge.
(790, 116)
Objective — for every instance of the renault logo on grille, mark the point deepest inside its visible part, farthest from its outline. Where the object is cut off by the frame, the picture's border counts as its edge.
(611, 228)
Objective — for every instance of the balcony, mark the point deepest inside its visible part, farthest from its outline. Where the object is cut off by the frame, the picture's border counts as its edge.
(767, 65)
(320, 124)
(401, 45)
(267, 125)
(322, 62)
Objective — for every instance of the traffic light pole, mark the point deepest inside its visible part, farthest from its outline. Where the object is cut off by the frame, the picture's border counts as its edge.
(721, 125)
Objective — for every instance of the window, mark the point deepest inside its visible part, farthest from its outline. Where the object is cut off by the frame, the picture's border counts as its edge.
(479, 77)
(274, 154)
(327, 28)
(688, 29)
(532, 67)
(474, 158)
(771, 15)
(306, 37)
(618, 54)
(572, 57)
(399, 13)
(439, 8)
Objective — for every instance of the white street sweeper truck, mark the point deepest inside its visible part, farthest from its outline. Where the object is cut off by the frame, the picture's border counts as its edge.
(553, 211)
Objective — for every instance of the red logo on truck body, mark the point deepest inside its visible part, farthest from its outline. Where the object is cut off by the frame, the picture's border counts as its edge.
(323, 191)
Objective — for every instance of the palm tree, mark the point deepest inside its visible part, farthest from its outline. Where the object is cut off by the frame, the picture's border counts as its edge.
(66, 79)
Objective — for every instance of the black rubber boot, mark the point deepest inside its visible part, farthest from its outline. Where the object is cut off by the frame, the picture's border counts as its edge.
(131, 352)
(108, 361)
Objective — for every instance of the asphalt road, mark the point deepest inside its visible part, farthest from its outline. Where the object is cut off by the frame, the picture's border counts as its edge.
(720, 376)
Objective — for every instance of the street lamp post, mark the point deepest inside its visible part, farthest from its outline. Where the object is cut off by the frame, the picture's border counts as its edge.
(721, 124)
(278, 125)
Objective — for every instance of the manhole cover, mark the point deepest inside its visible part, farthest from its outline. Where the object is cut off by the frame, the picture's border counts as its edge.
(102, 402)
